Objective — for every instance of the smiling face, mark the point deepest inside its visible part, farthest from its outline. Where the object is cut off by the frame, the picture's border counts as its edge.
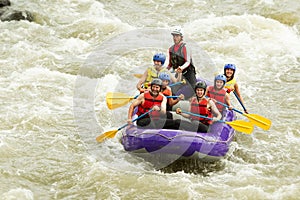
(200, 92)
(157, 64)
(155, 89)
(219, 84)
(229, 73)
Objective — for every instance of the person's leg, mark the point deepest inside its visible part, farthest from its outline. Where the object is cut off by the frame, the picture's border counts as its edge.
(169, 115)
(202, 128)
(165, 123)
(186, 125)
(190, 77)
(145, 123)
(169, 108)
(171, 124)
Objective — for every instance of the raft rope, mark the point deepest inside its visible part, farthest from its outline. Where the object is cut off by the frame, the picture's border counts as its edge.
(189, 135)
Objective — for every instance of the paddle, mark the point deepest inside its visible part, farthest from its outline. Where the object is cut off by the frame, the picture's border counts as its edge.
(112, 133)
(257, 120)
(177, 83)
(173, 84)
(138, 75)
(239, 125)
(237, 97)
(117, 99)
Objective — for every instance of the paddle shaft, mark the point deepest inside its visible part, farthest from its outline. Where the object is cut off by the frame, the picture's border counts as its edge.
(202, 116)
(177, 83)
(165, 96)
(139, 117)
(238, 98)
(238, 125)
(223, 104)
(258, 120)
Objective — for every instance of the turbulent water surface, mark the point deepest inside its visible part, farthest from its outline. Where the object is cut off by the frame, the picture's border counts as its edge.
(56, 71)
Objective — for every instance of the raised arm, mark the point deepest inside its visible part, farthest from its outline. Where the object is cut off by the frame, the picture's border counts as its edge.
(142, 80)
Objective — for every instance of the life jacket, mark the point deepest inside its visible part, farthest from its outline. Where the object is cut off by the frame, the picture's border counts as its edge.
(177, 58)
(167, 92)
(217, 95)
(153, 73)
(149, 102)
(201, 109)
(230, 84)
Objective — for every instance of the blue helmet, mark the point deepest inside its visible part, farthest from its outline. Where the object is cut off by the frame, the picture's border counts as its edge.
(164, 76)
(221, 77)
(230, 66)
(159, 57)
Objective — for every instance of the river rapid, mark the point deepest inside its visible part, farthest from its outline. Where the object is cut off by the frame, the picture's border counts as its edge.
(56, 71)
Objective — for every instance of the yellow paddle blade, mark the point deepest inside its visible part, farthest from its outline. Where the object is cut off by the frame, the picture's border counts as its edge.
(258, 120)
(138, 75)
(241, 126)
(108, 134)
(117, 99)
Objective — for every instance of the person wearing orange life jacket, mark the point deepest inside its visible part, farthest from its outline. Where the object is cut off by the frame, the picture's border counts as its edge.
(155, 100)
(167, 91)
(231, 83)
(202, 106)
(154, 71)
(217, 92)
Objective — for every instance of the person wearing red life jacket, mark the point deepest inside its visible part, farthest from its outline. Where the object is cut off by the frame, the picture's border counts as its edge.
(231, 83)
(202, 106)
(167, 91)
(217, 92)
(155, 100)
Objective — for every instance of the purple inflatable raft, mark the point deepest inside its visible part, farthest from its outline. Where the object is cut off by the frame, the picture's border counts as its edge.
(209, 146)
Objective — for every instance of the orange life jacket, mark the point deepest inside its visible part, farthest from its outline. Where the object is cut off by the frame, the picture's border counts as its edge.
(167, 92)
(217, 95)
(149, 102)
(201, 109)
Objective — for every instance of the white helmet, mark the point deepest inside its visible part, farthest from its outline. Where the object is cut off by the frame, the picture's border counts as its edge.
(177, 31)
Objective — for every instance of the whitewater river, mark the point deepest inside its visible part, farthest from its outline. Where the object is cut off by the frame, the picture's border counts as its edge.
(56, 71)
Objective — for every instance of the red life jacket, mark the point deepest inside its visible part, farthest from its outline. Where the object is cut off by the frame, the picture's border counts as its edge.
(149, 103)
(201, 109)
(217, 95)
